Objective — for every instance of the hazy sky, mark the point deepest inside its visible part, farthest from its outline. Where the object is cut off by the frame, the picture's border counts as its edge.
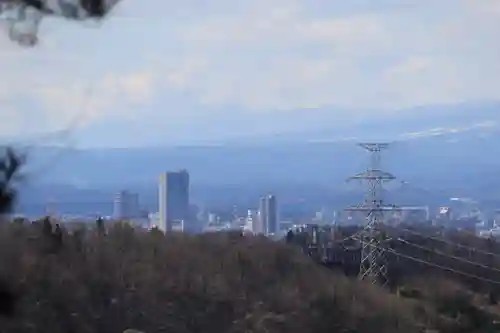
(163, 60)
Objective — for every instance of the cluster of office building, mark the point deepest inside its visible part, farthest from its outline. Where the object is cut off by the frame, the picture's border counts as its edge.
(265, 220)
(175, 213)
(173, 205)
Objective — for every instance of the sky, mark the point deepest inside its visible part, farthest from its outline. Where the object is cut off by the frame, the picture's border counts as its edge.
(161, 66)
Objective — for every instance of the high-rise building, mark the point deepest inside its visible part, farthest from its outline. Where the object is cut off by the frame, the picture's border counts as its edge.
(251, 222)
(261, 227)
(126, 205)
(272, 213)
(268, 215)
(272, 221)
(173, 198)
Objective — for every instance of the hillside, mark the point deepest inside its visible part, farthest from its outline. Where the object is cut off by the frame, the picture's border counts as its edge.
(87, 282)
(214, 283)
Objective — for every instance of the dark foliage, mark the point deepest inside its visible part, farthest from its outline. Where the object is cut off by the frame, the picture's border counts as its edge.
(177, 283)
(38, 4)
(455, 273)
(101, 230)
(7, 301)
(95, 8)
(463, 281)
(10, 164)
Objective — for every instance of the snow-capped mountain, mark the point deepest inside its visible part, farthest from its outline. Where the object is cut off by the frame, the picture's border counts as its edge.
(324, 125)
(482, 129)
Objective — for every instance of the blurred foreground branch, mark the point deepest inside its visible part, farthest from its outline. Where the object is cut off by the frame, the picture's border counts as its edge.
(24, 17)
(10, 164)
(70, 9)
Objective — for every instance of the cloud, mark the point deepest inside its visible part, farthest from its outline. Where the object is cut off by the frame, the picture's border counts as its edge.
(282, 25)
(290, 56)
(410, 66)
(485, 7)
(258, 56)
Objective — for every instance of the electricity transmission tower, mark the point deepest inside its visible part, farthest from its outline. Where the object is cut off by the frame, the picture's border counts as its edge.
(373, 265)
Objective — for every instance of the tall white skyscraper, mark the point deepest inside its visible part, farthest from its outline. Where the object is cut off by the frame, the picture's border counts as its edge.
(272, 221)
(173, 199)
(268, 215)
(261, 227)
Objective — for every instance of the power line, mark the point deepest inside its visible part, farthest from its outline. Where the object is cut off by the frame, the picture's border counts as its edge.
(439, 239)
(449, 269)
(452, 270)
(475, 263)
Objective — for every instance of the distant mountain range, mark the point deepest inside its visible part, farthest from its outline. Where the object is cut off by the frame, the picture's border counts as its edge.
(394, 126)
(236, 126)
(433, 147)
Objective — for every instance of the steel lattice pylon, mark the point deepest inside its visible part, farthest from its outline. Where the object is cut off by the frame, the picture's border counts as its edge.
(373, 265)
